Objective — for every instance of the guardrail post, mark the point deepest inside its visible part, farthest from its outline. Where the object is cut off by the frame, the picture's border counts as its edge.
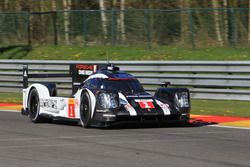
(25, 76)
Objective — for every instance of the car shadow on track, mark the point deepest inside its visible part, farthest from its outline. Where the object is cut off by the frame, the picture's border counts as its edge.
(143, 125)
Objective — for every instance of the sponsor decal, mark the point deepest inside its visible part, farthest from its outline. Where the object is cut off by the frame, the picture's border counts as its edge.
(71, 108)
(85, 72)
(48, 103)
(145, 103)
(52, 105)
(84, 69)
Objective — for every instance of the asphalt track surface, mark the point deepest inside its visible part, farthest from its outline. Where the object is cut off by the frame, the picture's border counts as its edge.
(68, 145)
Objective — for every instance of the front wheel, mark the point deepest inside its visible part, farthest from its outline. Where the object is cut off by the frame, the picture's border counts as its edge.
(34, 107)
(85, 110)
(185, 120)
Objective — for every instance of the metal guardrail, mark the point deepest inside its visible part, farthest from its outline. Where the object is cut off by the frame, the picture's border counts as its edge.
(228, 80)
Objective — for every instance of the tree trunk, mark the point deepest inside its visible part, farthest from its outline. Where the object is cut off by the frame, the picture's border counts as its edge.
(217, 22)
(69, 4)
(118, 20)
(184, 5)
(55, 24)
(114, 3)
(122, 21)
(53, 5)
(5, 5)
(225, 5)
(18, 6)
(42, 29)
(66, 7)
(103, 19)
(249, 22)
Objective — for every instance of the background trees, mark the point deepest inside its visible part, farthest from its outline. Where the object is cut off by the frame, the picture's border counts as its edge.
(116, 21)
(47, 5)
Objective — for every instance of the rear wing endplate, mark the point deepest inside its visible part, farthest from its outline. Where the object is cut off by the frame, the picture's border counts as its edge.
(78, 73)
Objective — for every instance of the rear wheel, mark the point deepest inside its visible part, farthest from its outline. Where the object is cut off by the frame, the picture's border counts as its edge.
(85, 110)
(34, 108)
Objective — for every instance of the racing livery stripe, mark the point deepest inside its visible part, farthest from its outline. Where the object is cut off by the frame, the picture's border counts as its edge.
(127, 106)
(96, 76)
(164, 107)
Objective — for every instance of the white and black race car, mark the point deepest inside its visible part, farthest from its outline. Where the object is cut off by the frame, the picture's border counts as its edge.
(102, 97)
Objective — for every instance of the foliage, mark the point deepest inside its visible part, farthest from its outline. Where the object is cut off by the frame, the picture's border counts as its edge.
(186, 23)
(36, 5)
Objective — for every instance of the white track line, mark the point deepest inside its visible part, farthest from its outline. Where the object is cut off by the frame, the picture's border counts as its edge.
(229, 127)
(9, 111)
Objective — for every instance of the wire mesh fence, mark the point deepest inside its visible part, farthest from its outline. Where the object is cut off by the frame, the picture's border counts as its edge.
(13, 28)
(191, 28)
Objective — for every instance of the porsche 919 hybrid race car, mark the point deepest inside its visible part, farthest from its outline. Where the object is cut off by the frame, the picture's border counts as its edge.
(102, 96)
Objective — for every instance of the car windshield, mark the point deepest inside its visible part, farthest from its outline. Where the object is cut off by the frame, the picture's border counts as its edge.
(125, 86)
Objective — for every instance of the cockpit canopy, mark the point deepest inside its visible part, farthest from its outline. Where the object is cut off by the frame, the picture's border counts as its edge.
(127, 86)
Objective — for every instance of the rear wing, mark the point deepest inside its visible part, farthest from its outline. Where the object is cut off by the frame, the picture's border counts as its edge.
(78, 73)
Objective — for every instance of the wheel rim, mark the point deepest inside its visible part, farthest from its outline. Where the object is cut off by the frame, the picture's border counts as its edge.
(84, 110)
(34, 105)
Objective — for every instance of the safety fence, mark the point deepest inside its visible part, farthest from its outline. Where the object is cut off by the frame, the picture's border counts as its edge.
(192, 28)
(205, 79)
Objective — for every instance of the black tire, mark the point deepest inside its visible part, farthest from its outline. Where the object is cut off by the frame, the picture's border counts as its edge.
(185, 121)
(85, 110)
(34, 106)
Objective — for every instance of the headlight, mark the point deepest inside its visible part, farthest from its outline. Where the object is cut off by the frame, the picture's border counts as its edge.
(181, 99)
(108, 100)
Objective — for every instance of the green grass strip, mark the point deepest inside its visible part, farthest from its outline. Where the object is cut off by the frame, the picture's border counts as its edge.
(221, 107)
(50, 52)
